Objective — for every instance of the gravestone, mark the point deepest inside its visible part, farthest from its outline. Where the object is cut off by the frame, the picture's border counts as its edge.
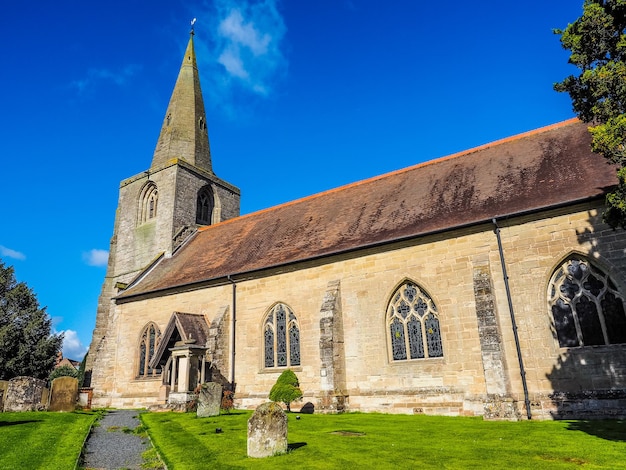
(64, 394)
(267, 431)
(24, 394)
(308, 408)
(4, 384)
(209, 400)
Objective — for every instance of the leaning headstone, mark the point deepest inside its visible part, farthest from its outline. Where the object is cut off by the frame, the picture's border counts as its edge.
(24, 394)
(267, 431)
(64, 394)
(209, 400)
(4, 384)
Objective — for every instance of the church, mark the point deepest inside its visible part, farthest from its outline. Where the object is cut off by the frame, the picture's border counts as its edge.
(483, 284)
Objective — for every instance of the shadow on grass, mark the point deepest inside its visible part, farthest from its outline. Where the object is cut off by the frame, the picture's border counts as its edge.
(13, 423)
(611, 430)
(295, 445)
(232, 413)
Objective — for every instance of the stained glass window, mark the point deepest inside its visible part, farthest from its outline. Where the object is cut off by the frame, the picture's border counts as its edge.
(413, 324)
(147, 346)
(281, 338)
(586, 307)
(269, 346)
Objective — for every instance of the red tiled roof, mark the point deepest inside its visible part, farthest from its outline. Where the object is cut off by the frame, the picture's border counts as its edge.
(540, 169)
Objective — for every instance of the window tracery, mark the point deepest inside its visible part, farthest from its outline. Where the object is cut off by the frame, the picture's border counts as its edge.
(281, 338)
(586, 307)
(148, 343)
(204, 206)
(413, 324)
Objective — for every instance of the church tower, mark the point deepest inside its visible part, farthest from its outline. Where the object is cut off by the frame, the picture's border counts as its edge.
(159, 209)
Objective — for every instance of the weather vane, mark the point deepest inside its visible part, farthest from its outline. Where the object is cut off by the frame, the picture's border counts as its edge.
(192, 23)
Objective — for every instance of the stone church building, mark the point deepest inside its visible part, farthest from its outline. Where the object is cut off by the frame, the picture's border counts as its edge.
(484, 283)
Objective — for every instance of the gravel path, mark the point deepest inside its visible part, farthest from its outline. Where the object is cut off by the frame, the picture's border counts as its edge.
(110, 448)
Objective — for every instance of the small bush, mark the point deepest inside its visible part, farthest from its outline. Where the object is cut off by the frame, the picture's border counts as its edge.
(286, 389)
(227, 401)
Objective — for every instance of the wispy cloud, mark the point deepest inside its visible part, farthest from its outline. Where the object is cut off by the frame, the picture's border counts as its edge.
(73, 348)
(96, 257)
(94, 76)
(9, 253)
(243, 52)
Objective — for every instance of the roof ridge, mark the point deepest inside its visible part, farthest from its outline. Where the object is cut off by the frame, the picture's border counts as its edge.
(494, 143)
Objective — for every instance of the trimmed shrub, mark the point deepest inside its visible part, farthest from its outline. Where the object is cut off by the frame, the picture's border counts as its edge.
(286, 389)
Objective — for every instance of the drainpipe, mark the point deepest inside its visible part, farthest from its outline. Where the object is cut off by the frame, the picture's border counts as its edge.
(513, 323)
(232, 333)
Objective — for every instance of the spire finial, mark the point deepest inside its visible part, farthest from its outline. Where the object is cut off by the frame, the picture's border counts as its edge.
(192, 23)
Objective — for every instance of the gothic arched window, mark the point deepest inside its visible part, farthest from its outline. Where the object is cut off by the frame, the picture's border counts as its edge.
(281, 338)
(148, 342)
(148, 202)
(204, 206)
(586, 306)
(413, 324)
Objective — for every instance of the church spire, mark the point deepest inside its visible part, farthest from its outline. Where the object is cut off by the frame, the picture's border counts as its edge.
(184, 133)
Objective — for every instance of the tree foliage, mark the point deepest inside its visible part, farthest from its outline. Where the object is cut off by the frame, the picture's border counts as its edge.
(597, 42)
(63, 371)
(286, 389)
(27, 346)
(81, 371)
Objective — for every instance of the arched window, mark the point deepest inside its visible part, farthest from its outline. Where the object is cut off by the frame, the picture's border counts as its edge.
(148, 343)
(281, 338)
(413, 325)
(148, 202)
(204, 206)
(586, 307)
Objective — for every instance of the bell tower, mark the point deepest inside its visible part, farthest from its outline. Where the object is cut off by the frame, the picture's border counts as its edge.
(160, 208)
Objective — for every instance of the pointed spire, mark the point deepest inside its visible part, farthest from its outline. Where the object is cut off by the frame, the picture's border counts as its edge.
(184, 133)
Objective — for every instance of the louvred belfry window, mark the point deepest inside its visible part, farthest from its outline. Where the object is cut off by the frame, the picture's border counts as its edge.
(413, 325)
(148, 203)
(204, 206)
(586, 307)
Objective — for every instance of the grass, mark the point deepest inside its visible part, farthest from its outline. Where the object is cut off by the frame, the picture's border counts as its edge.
(41, 440)
(379, 441)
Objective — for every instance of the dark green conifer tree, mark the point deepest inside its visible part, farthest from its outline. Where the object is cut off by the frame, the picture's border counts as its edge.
(597, 43)
(27, 346)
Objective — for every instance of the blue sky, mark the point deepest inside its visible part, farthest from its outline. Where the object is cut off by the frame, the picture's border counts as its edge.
(301, 97)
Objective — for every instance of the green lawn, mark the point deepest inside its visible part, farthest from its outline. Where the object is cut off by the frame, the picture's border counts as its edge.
(41, 440)
(379, 441)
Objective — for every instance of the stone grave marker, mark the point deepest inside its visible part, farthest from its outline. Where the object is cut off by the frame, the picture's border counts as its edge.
(24, 394)
(4, 384)
(267, 431)
(64, 394)
(209, 400)
(308, 408)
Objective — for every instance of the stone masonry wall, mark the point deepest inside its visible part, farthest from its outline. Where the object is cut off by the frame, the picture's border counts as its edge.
(444, 266)
(135, 245)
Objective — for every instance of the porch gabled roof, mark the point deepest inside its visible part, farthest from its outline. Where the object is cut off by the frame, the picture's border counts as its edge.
(190, 326)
